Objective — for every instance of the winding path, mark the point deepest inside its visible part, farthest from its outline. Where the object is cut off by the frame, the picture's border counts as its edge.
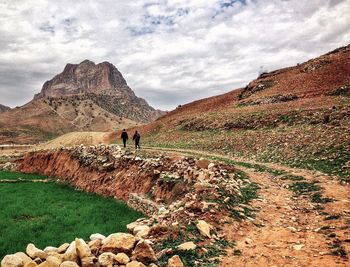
(288, 230)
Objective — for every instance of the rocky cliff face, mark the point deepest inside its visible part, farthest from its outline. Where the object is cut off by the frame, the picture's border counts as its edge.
(4, 108)
(87, 77)
(104, 85)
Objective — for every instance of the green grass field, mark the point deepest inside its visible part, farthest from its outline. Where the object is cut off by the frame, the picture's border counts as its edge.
(50, 214)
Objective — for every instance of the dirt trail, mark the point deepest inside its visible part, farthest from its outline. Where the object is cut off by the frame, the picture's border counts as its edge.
(289, 230)
(74, 138)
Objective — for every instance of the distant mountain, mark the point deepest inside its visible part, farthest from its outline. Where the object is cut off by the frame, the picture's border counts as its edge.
(84, 97)
(4, 108)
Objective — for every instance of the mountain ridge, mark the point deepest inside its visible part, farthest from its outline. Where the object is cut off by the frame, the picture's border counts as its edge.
(4, 108)
(83, 97)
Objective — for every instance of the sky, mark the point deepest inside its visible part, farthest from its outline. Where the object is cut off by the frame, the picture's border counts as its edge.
(170, 52)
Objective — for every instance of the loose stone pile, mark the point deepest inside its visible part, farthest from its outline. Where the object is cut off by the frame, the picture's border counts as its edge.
(119, 249)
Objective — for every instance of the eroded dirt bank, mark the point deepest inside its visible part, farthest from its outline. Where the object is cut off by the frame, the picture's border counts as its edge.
(187, 199)
(105, 171)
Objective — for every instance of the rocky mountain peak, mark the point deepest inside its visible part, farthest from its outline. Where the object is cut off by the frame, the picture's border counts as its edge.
(4, 108)
(86, 77)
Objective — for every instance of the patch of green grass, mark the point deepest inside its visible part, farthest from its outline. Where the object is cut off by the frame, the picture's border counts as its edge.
(303, 188)
(237, 252)
(317, 198)
(50, 214)
(207, 259)
(249, 191)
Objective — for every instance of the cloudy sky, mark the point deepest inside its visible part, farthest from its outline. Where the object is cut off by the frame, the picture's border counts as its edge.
(170, 51)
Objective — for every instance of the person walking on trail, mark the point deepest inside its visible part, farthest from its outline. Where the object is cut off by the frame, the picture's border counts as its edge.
(137, 138)
(124, 137)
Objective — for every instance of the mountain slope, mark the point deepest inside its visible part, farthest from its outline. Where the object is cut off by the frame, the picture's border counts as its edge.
(298, 115)
(4, 108)
(84, 97)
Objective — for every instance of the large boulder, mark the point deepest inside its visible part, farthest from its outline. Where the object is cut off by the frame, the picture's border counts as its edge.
(119, 242)
(34, 252)
(144, 252)
(12, 261)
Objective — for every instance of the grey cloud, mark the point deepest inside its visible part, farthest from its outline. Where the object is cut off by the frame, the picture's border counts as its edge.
(170, 52)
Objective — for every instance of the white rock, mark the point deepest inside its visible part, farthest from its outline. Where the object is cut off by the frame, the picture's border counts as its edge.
(96, 237)
(187, 246)
(204, 228)
(50, 249)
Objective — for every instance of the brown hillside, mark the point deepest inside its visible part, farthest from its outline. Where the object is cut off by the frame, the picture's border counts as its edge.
(298, 115)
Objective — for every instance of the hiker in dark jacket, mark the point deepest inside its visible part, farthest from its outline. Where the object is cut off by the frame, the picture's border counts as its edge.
(137, 138)
(124, 137)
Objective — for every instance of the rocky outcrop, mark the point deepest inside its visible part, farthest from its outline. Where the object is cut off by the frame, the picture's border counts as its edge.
(4, 108)
(101, 83)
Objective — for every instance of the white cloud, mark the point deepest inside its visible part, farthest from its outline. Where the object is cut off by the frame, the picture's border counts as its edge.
(170, 51)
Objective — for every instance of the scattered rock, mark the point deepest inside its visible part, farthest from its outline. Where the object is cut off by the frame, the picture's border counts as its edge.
(175, 261)
(141, 231)
(202, 163)
(298, 247)
(187, 246)
(118, 242)
(144, 252)
(204, 228)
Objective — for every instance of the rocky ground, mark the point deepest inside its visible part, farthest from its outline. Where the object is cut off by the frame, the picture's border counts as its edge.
(205, 213)
(188, 200)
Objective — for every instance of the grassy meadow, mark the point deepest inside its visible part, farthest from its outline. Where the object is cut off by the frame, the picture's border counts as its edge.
(50, 214)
